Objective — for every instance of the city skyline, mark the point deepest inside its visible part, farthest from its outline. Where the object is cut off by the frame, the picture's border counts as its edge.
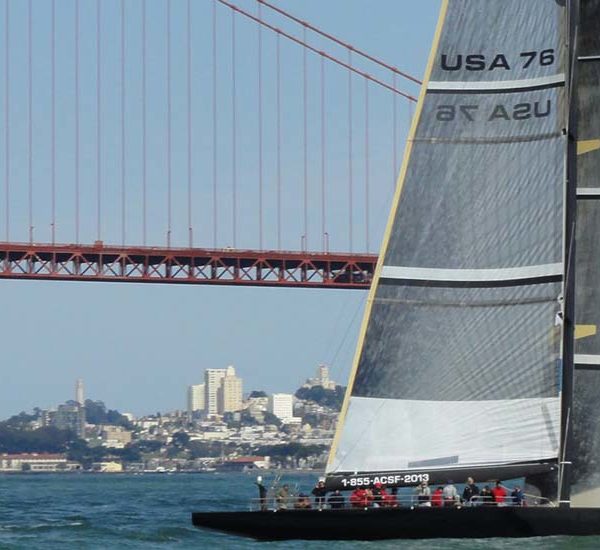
(195, 393)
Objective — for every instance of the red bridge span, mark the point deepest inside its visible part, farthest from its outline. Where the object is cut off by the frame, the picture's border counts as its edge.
(99, 262)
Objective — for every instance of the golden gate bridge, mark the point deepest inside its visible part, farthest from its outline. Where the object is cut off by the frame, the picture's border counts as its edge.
(186, 142)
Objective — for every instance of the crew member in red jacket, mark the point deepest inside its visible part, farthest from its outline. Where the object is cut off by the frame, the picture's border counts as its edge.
(499, 494)
(437, 498)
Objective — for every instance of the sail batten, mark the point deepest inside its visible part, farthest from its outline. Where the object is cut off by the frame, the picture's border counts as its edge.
(459, 354)
(539, 273)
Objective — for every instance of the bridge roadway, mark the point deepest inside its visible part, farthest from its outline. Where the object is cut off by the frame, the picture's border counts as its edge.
(108, 263)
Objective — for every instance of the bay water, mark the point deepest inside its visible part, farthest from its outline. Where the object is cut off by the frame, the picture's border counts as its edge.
(63, 511)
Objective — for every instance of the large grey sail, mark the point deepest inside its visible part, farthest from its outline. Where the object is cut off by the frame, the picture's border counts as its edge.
(458, 361)
(586, 421)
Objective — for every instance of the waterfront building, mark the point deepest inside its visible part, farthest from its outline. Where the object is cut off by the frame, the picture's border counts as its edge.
(34, 462)
(229, 394)
(212, 382)
(107, 467)
(195, 399)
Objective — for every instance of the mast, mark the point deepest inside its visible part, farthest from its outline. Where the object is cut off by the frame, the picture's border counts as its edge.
(566, 451)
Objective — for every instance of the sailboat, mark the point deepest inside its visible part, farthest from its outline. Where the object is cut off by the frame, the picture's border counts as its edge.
(479, 353)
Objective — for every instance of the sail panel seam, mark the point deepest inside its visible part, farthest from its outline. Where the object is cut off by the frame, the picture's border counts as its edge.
(490, 140)
(496, 87)
(464, 304)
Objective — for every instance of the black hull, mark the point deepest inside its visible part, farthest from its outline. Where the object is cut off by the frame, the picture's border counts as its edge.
(404, 523)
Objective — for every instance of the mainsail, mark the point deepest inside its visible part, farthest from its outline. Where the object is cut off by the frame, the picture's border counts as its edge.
(586, 425)
(458, 363)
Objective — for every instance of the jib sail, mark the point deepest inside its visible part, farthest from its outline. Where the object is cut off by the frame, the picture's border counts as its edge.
(458, 363)
(586, 454)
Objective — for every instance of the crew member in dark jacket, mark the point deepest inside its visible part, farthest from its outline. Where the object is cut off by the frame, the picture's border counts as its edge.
(336, 500)
(262, 494)
(319, 492)
(471, 490)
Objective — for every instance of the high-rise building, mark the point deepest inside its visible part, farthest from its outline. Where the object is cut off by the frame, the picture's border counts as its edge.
(79, 392)
(212, 382)
(195, 399)
(321, 379)
(229, 394)
(282, 406)
(70, 416)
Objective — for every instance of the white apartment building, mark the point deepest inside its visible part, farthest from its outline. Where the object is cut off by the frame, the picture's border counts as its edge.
(282, 406)
(229, 394)
(196, 398)
(212, 383)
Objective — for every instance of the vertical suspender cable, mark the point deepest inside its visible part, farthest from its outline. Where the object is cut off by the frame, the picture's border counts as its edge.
(323, 198)
(233, 133)
(350, 202)
(77, 122)
(7, 118)
(278, 108)
(367, 166)
(214, 90)
(99, 122)
(53, 120)
(169, 159)
(144, 140)
(29, 122)
(123, 193)
(260, 137)
(305, 133)
(189, 121)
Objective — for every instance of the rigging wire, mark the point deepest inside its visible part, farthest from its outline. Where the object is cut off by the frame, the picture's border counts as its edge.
(394, 138)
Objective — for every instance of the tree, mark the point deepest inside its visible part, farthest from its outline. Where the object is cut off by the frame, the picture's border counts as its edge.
(270, 418)
(43, 440)
(257, 394)
(96, 413)
(180, 440)
(326, 398)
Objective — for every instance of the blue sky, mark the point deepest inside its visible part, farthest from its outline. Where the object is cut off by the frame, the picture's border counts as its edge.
(137, 347)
